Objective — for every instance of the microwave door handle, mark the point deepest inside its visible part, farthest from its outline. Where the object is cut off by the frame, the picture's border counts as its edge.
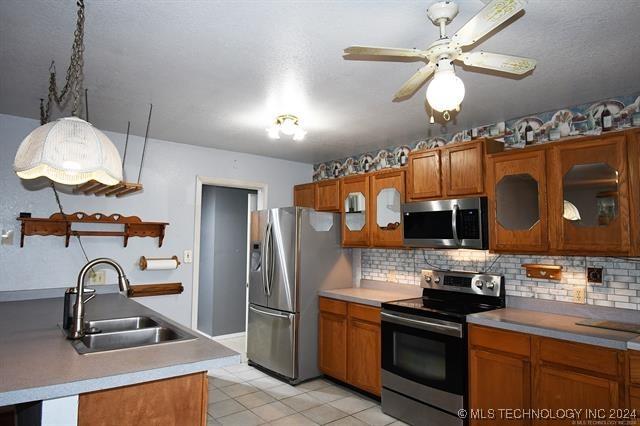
(454, 224)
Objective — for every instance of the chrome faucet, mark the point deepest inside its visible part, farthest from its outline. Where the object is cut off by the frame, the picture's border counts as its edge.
(77, 324)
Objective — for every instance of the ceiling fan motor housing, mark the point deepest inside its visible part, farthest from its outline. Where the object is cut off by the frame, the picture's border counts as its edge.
(442, 11)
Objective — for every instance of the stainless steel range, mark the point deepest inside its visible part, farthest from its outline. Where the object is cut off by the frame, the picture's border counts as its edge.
(424, 345)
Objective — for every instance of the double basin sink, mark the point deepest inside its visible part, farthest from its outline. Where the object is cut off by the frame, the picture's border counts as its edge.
(123, 333)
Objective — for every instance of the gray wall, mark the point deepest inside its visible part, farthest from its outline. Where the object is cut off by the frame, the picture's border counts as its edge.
(223, 260)
(169, 179)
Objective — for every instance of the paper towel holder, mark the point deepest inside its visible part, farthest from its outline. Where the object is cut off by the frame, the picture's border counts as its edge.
(144, 261)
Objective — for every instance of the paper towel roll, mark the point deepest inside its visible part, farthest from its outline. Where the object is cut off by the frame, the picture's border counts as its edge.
(151, 264)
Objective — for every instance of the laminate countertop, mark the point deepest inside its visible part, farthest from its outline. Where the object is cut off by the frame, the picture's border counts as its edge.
(37, 362)
(562, 327)
(368, 296)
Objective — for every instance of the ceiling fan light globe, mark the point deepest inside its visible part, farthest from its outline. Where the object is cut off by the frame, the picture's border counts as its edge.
(273, 132)
(299, 134)
(288, 126)
(446, 91)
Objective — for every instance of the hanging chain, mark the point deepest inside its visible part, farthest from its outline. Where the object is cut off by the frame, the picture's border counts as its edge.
(73, 80)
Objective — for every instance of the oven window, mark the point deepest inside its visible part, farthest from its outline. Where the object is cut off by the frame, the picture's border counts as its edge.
(428, 225)
(420, 357)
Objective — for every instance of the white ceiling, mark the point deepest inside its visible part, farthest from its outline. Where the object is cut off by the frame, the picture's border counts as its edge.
(218, 71)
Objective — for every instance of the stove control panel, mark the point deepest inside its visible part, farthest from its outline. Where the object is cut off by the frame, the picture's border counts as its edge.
(462, 281)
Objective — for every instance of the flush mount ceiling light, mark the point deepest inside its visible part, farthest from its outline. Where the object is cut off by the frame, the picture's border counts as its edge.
(286, 124)
(70, 150)
(446, 91)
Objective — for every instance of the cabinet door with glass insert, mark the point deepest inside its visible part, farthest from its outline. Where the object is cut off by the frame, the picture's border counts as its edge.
(589, 196)
(518, 202)
(387, 196)
(355, 210)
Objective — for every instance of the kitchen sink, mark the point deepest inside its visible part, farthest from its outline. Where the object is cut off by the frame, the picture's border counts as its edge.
(123, 333)
(120, 324)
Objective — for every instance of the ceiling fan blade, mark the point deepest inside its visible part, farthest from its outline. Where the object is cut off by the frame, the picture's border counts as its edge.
(370, 53)
(489, 18)
(496, 61)
(414, 83)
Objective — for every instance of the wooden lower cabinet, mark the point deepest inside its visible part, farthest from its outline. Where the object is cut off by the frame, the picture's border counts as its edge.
(349, 343)
(507, 372)
(332, 338)
(175, 401)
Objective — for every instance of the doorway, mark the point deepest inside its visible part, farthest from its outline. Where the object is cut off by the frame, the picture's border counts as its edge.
(220, 255)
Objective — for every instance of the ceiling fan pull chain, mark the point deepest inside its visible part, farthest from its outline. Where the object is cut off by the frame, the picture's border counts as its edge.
(74, 76)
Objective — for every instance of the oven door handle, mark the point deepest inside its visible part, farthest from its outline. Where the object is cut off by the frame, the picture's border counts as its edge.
(450, 330)
(454, 224)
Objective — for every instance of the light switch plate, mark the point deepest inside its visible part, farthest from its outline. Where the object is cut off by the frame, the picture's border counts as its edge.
(187, 256)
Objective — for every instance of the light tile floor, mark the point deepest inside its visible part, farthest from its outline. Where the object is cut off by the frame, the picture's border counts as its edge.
(242, 395)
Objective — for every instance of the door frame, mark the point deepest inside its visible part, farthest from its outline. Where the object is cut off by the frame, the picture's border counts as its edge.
(262, 190)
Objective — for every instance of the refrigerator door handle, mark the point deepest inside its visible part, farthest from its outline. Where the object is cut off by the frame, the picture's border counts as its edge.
(271, 314)
(265, 257)
(271, 261)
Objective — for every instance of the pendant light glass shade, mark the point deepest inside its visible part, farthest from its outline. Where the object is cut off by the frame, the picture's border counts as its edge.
(69, 151)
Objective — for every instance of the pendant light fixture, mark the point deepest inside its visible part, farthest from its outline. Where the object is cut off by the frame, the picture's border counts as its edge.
(70, 150)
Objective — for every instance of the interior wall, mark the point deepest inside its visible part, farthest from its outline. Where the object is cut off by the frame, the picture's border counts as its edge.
(169, 179)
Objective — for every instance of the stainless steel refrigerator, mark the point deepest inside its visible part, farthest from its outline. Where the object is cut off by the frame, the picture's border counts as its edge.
(294, 253)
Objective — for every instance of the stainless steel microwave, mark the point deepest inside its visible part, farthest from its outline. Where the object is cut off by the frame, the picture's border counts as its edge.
(457, 223)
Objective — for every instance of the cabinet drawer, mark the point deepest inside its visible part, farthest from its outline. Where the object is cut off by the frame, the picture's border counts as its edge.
(333, 306)
(364, 313)
(578, 355)
(500, 340)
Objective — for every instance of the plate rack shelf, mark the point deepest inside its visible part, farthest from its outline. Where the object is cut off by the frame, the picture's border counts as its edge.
(60, 225)
(119, 190)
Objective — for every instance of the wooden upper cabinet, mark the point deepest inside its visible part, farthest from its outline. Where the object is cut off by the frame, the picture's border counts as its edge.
(589, 196)
(633, 149)
(517, 190)
(355, 211)
(463, 169)
(304, 195)
(424, 176)
(327, 195)
(387, 196)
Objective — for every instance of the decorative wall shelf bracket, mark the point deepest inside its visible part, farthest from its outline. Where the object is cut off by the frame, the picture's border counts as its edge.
(60, 225)
(119, 190)
(547, 272)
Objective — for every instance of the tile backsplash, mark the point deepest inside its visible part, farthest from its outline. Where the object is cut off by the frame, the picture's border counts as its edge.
(620, 288)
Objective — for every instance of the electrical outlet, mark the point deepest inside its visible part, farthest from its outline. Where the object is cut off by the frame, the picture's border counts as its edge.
(579, 295)
(98, 277)
(392, 277)
(594, 275)
(187, 256)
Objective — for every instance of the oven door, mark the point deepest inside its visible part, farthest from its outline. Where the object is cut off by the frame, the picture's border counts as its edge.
(427, 351)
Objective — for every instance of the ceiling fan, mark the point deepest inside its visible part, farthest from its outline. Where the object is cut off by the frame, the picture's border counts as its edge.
(446, 90)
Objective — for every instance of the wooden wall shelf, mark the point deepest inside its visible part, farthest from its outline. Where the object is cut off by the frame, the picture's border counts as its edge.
(60, 225)
(144, 290)
(547, 272)
(119, 190)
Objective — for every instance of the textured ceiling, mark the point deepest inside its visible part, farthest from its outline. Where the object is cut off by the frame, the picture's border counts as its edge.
(217, 72)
